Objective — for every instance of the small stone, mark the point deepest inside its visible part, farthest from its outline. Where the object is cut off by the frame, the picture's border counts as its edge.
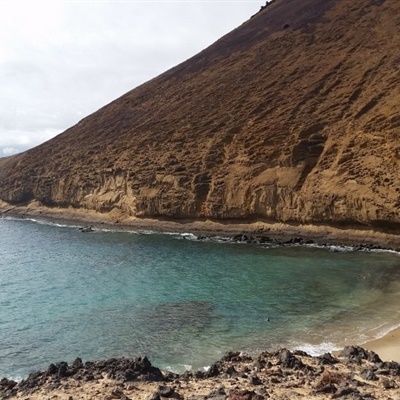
(62, 370)
(89, 377)
(130, 375)
(255, 380)
(153, 396)
(213, 371)
(51, 370)
(344, 392)
(165, 391)
(388, 383)
(231, 371)
(77, 364)
(117, 394)
(327, 359)
(368, 374)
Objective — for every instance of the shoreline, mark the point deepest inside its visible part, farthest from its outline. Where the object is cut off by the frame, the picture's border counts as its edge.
(320, 234)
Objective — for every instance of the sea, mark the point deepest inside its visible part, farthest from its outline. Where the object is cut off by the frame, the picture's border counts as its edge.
(181, 301)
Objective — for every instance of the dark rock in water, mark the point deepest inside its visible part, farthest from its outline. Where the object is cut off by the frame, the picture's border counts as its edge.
(86, 229)
(264, 239)
(243, 238)
(295, 240)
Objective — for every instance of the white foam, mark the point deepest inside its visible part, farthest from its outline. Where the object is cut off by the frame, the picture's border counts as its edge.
(382, 251)
(15, 378)
(317, 349)
(189, 236)
(330, 247)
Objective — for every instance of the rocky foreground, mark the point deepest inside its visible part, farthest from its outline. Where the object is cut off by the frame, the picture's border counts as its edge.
(354, 374)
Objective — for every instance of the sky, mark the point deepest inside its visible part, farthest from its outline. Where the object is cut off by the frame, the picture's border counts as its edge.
(62, 60)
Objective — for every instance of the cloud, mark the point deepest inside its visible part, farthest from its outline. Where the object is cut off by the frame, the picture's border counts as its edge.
(8, 151)
(60, 60)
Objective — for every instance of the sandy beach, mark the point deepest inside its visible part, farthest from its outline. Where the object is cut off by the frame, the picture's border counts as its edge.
(388, 347)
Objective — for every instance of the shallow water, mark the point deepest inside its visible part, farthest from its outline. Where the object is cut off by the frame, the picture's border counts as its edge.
(184, 303)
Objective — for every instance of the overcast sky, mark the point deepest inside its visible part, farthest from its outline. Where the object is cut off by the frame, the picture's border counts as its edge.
(62, 60)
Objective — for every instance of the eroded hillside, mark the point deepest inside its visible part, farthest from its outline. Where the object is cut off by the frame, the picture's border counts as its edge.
(294, 116)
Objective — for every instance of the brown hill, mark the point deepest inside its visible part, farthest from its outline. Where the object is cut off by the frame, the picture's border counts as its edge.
(294, 116)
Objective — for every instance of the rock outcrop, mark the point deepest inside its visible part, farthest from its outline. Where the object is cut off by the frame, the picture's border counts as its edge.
(355, 374)
(294, 116)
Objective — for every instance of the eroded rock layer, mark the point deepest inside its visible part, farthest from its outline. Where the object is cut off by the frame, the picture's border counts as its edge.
(294, 116)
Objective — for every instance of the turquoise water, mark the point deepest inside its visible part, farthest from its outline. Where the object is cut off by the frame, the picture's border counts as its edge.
(182, 302)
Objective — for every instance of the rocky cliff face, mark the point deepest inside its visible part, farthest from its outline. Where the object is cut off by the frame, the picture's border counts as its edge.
(294, 116)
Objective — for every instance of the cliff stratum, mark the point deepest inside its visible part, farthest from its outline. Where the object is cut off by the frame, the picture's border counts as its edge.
(294, 116)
